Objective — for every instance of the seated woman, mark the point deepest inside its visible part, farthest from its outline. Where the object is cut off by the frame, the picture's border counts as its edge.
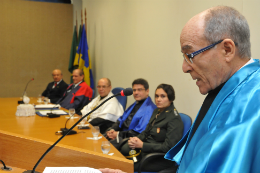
(163, 131)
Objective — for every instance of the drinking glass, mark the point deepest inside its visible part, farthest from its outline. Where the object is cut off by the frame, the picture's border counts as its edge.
(39, 98)
(46, 100)
(95, 132)
(105, 147)
(82, 122)
(71, 113)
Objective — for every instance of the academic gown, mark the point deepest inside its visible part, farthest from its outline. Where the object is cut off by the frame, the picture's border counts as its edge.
(141, 117)
(77, 98)
(227, 139)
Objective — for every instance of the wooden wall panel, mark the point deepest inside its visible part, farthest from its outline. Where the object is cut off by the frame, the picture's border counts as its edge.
(35, 39)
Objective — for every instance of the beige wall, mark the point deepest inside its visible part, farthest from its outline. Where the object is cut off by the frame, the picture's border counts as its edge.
(35, 38)
(77, 9)
(129, 39)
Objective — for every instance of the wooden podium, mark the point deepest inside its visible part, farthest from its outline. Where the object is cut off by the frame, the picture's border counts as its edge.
(23, 140)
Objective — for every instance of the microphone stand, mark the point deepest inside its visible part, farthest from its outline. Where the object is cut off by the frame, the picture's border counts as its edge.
(67, 132)
(64, 130)
(27, 86)
(21, 102)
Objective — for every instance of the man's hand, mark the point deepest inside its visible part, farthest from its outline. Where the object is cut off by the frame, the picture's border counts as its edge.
(135, 142)
(112, 134)
(107, 170)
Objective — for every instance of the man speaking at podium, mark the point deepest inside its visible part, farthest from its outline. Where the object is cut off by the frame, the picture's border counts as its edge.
(55, 89)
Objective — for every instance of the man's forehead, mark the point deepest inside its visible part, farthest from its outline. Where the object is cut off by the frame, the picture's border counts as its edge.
(75, 72)
(56, 72)
(138, 86)
(193, 32)
(102, 82)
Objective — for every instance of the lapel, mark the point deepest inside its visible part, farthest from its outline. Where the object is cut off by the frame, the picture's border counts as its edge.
(161, 117)
(58, 85)
(51, 86)
(164, 114)
(73, 89)
(69, 88)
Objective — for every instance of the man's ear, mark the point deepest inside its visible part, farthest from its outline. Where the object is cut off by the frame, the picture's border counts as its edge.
(229, 49)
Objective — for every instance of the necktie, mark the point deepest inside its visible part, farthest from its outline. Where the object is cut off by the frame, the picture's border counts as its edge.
(55, 84)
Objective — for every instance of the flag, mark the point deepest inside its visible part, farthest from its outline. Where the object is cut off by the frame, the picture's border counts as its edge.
(76, 59)
(84, 59)
(73, 51)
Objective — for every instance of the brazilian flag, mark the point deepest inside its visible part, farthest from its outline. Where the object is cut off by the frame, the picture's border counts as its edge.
(84, 59)
(76, 59)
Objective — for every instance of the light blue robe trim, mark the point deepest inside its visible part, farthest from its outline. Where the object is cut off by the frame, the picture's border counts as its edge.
(228, 138)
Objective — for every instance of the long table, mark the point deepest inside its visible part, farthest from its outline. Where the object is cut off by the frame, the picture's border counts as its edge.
(24, 139)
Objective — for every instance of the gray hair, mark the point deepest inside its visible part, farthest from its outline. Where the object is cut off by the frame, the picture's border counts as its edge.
(225, 22)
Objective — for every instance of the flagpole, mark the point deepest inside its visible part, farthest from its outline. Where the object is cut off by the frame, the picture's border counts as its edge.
(86, 22)
(77, 26)
(81, 19)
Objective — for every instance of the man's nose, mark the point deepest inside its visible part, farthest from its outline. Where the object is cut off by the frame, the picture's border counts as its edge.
(186, 67)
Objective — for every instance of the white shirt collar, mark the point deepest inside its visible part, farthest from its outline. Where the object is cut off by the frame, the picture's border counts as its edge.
(77, 84)
(58, 82)
(248, 62)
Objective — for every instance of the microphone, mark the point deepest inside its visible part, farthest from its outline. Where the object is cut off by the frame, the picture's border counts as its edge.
(125, 92)
(52, 115)
(21, 102)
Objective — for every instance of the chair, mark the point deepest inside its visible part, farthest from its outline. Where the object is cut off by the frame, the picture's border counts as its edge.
(122, 100)
(93, 95)
(187, 121)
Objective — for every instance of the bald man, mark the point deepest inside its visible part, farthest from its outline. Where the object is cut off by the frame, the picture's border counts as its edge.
(224, 137)
(109, 112)
(78, 94)
(55, 89)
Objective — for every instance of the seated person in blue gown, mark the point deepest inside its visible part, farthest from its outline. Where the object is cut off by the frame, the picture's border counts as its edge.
(225, 135)
(55, 90)
(163, 131)
(136, 117)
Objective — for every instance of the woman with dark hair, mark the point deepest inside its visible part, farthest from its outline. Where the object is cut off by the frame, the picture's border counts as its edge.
(164, 130)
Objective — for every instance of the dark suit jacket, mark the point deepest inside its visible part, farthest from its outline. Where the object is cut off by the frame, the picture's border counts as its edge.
(164, 134)
(54, 94)
(158, 138)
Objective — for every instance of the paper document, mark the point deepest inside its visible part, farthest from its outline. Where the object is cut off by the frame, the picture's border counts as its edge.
(70, 170)
(46, 106)
(58, 112)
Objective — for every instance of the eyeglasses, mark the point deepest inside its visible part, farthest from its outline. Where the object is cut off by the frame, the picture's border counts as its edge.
(139, 89)
(188, 57)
